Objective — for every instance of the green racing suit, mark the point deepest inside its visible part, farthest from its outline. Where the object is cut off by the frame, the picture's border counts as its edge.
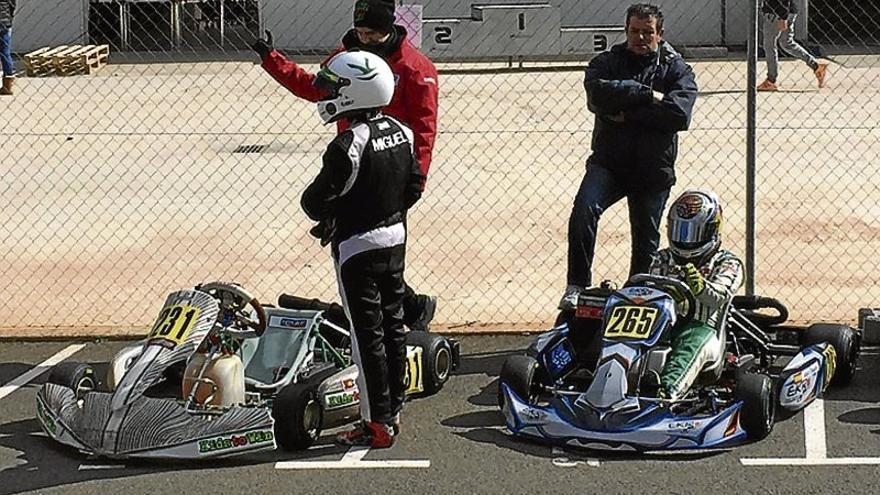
(697, 343)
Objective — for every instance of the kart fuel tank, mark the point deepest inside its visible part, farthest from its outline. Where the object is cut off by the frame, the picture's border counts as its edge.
(221, 384)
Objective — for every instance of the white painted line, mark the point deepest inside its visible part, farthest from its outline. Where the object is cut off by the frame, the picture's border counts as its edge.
(831, 461)
(814, 430)
(562, 460)
(96, 467)
(353, 459)
(301, 465)
(39, 369)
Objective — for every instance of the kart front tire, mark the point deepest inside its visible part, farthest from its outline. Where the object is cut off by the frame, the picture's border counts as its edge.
(436, 359)
(846, 343)
(298, 415)
(79, 377)
(758, 413)
(519, 373)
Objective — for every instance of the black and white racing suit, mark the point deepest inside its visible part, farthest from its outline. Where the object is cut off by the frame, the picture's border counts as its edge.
(368, 180)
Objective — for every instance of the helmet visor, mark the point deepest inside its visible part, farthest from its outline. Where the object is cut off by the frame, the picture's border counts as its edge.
(329, 82)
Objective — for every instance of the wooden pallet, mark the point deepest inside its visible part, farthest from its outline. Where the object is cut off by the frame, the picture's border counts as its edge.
(66, 60)
(39, 63)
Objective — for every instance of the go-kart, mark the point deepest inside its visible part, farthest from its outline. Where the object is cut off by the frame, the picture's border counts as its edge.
(219, 374)
(593, 380)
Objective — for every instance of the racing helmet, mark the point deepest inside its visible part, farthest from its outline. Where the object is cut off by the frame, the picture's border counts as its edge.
(694, 226)
(356, 81)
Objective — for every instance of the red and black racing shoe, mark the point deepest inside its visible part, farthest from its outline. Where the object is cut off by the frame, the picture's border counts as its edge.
(369, 434)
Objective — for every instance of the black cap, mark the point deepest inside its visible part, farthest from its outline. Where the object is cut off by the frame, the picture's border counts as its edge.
(377, 15)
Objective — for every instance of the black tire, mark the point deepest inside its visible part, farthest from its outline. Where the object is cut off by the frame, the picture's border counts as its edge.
(519, 373)
(79, 377)
(298, 414)
(436, 359)
(758, 413)
(846, 343)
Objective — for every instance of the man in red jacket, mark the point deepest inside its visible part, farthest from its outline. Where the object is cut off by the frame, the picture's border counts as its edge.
(414, 102)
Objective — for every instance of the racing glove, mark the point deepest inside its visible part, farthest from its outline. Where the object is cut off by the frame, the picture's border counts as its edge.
(693, 278)
(324, 231)
(263, 46)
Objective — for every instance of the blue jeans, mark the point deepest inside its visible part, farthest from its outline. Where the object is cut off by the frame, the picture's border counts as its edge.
(5, 55)
(599, 190)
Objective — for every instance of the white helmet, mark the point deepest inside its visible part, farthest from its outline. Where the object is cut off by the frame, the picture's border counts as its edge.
(356, 81)
(694, 226)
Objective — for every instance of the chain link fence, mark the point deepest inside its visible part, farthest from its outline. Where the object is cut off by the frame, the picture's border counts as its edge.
(182, 161)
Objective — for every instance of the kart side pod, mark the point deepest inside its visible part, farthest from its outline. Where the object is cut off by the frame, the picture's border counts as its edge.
(806, 376)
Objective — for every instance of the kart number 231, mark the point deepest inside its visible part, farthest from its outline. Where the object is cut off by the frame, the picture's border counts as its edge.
(630, 322)
(174, 324)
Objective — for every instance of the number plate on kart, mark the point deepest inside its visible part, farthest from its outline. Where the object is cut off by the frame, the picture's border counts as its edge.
(631, 322)
(174, 324)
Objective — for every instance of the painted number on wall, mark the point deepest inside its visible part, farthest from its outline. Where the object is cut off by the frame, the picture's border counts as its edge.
(600, 42)
(443, 35)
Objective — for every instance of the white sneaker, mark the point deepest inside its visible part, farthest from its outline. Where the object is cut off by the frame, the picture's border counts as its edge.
(569, 299)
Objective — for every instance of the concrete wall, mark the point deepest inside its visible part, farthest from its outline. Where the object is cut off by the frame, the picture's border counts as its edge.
(40, 23)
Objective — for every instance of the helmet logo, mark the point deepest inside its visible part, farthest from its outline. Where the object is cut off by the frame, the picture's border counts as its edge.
(367, 71)
(360, 10)
(689, 206)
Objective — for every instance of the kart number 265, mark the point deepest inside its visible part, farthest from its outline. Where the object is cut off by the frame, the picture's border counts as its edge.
(630, 322)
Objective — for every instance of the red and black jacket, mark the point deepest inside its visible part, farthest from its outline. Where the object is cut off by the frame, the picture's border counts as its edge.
(415, 96)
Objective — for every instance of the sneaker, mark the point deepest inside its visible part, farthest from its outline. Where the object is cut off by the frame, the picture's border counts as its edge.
(569, 299)
(371, 434)
(395, 424)
(768, 85)
(820, 73)
(423, 322)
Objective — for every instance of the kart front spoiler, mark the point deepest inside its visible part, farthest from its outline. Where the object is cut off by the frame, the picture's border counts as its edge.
(655, 432)
(149, 428)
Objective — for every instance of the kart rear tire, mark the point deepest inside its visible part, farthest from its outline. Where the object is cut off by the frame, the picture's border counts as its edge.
(298, 416)
(436, 359)
(519, 373)
(846, 343)
(758, 413)
(79, 377)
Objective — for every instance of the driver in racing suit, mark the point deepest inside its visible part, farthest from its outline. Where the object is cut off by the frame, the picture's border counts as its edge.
(713, 275)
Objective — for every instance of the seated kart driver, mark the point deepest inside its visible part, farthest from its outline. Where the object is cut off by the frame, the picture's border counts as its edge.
(713, 275)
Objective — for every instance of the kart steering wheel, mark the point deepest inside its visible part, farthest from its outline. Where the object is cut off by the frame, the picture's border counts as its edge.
(679, 291)
(235, 298)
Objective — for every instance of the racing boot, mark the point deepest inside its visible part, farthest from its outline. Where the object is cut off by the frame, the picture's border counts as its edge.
(368, 434)
(8, 85)
(569, 299)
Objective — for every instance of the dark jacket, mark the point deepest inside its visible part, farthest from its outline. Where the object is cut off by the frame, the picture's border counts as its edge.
(368, 180)
(415, 100)
(641, 150)
(780, 8)
(7, 12)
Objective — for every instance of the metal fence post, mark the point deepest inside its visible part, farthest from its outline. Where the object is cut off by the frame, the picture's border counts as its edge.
(751, 144)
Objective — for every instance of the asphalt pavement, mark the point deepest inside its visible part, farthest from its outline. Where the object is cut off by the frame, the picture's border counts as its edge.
(454, 442)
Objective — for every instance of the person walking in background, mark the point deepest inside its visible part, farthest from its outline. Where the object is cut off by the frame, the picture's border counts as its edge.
(7, 12)
(779, 16)
(642, 93)
(414, 103)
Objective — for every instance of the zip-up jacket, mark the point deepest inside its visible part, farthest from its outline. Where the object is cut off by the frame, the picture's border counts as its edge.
(368, 180)
(641, 150)
(415, 98)
(7, 13)
(781, 9)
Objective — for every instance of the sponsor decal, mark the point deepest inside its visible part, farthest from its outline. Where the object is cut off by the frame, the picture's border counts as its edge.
(349, 384)
(534, 414)
(683, 426)
(235, 441)
(297, 323)
(830, 364)
(689, 206)
(732, 426)
(342, 399)
(589, 312)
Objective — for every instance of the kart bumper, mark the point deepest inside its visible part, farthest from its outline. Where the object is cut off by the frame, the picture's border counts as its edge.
(655, 432)
(149, 428)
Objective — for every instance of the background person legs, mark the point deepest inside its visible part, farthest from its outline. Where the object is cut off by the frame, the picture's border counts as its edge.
(6, 61)
(645, 214)
(598, 191)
